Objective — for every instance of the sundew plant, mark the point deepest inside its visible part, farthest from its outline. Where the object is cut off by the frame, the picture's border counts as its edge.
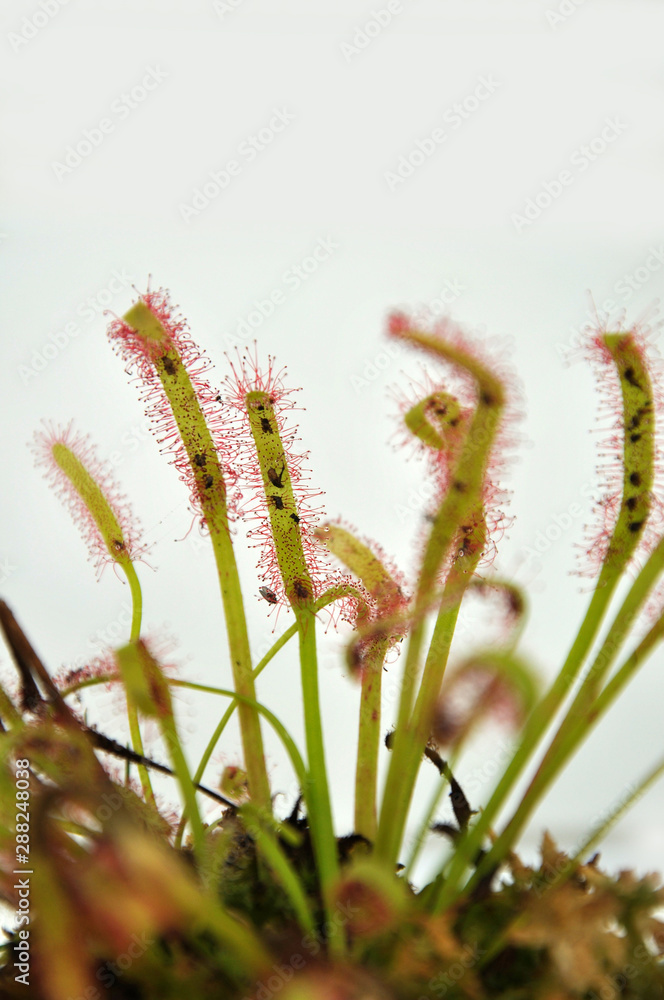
(234, 896)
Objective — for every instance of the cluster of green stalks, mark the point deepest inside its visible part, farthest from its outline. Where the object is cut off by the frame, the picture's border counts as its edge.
(130, 862)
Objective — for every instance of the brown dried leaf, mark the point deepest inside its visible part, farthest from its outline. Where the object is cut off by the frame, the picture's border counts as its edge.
(573, 925)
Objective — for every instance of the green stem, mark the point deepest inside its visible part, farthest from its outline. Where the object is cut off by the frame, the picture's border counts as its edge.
(571, 866)
(226, 717)
(136, 600)
(279, 728)
(463, 497)
(588, 705)
(183, 775)
(417, 730)
(327, 598)
(580, 727)
(534, 730)
(368, 653)
(275, 856)
(600, 831)
(238, 641)
(147, 688)
(316, 791)
(368, 742)
(426, 822)
(334, 594)
(132, 711)
(638, 471)
(210, 488)
(390, 823)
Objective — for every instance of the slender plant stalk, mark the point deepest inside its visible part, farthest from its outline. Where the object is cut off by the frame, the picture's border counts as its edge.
(638, 465)
(148, 689)
(464, 496)
(295, 757)
(299, 589)
(588, 706)
(275, 856)
(208, 475)
(388, 599)
(575, 733)
(316, 791)
(592, 839)
(132, 712)
(327, 598)
(281, 731)
(425, 825)
(74, 468)
(368, 743)
(532, 734)
(419, 728)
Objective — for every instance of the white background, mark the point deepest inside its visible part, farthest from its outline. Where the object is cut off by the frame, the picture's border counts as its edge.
(359, 106)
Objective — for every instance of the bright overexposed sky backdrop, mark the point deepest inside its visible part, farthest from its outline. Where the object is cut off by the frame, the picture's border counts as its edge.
(496, 160)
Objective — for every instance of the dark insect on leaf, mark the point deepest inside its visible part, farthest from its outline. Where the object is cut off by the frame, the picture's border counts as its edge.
(301, 590)
(275, 477)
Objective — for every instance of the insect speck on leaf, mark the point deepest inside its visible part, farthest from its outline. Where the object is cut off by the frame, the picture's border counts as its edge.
(277, 501)
(275, 477)
(266, 426)
(268, 595)
(301, 590)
